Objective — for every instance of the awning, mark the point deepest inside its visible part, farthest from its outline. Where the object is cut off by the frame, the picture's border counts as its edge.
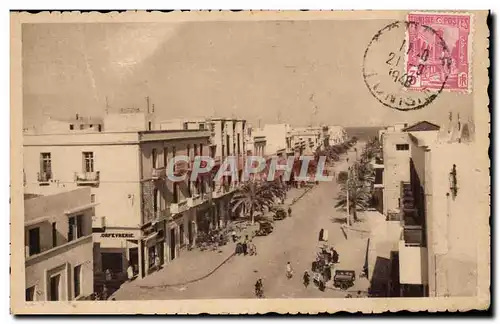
(80, 208)
(412, 265)
(37, 221)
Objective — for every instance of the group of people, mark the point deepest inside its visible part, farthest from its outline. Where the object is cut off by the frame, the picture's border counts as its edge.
(246, 247)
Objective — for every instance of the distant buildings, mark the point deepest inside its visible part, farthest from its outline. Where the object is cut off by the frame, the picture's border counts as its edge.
(59, 249)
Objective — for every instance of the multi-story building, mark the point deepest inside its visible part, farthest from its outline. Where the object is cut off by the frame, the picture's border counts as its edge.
(437, 256)
(141, 213)
(59, 250)
(336, 134)
(278, 139)
(306, 140)
(396, 159)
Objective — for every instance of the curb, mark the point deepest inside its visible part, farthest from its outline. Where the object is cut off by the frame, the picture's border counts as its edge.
(217, 267)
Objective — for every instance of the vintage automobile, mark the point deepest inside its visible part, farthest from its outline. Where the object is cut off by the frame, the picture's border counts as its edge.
(265, 228)
(279, 214)
(344, 279)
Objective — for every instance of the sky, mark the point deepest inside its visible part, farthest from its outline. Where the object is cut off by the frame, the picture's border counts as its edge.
(267, 72)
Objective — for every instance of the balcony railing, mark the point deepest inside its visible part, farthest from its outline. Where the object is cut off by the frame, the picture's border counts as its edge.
(414, 236)
(176, 208)
(44, 177)
(158, 173)
(87, 178)
(194, 201)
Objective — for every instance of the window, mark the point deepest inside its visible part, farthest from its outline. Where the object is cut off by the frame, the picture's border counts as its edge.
(402, 147)
(188, 149)
(30, 293)
(88, 161)
(81, 126)
(185, 126)
(77, 272)
(153, 157)
(155, 200)
(34, 241)
(46, 165)
(149, 125)
(195, 150)
(227, 146)
(238, 144)
(202, 126)
(181, 234)
(71, 126)
(92, 198)
(54, 235)
(165, 156)
(54, 285)
(212, 151)
(75, 227)
(173, 151)
(201, 149)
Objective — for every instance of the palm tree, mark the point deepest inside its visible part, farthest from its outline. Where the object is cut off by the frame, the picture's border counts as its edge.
(365, 172)
(252, 197)
(359, 197)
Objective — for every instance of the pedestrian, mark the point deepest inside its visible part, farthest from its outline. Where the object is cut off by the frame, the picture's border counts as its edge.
(157, 262)
(359, 294)
(306, 279)
(104, 292)
(325, 236)
(320, 238)
(289, 270)
(108, 275)
(259, 289)
(130, 272)
(234, 236)
(245, 245)
(289, 211)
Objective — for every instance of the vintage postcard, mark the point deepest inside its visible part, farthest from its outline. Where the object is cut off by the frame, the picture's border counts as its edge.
(249, 162)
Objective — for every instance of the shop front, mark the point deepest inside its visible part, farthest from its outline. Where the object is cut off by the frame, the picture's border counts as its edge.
(114, 249)
(154, 247)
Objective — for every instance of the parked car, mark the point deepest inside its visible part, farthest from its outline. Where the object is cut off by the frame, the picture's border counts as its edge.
(279, 214)
(344, 279)
(265, 228)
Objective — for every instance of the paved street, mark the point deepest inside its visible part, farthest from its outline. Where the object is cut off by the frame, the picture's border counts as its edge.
(294, 239)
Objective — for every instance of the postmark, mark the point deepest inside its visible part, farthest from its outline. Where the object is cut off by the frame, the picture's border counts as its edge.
(455, 30)
(389, 75)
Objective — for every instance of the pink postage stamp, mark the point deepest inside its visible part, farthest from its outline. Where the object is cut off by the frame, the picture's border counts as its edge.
(455, 31)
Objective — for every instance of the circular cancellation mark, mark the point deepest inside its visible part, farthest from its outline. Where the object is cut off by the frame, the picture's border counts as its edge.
(398, 58)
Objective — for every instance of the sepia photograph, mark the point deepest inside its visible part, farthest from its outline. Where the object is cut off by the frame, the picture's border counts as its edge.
(249, 162)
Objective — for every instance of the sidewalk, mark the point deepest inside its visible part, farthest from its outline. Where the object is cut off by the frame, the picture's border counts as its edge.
(194, 265)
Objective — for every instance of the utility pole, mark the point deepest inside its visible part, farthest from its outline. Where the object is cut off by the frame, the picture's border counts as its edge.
(147, 103)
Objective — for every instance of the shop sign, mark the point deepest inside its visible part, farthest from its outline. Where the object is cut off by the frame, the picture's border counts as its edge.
(118, 235)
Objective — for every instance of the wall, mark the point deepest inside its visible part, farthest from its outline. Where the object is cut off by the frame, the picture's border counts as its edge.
(396, 168)
(451, 231)
(128, 122)
(118, 191)
(276, 135)
(65, 259)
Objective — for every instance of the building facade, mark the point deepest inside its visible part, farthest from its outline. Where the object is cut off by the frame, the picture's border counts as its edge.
(59, 249)
(141, 214)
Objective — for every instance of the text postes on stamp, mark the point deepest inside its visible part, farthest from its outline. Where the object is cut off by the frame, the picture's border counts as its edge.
(389, 74)
(455, 30)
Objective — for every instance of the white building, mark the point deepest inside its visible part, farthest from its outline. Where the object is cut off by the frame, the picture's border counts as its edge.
(59, 249)
(140, 214)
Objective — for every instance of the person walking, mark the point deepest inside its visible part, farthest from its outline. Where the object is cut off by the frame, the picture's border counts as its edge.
(306, 279)
(130, 272)
(157, 262)
(289, 211)
(259, 289)
(320, 236)
(289, 270)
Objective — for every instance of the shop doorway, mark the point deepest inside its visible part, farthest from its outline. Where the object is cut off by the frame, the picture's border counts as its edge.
(112, 261)
(134, 259)
(159, 251)
(172, 244)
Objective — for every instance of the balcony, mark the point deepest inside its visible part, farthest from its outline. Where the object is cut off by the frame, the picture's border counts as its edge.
(160, 215)
(44, 178)
(413, 235)
(194, 201)
(158, 173)
(176, 208)
(87, 178)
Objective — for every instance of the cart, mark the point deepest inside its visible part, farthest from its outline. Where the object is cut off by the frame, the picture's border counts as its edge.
(344, 279)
